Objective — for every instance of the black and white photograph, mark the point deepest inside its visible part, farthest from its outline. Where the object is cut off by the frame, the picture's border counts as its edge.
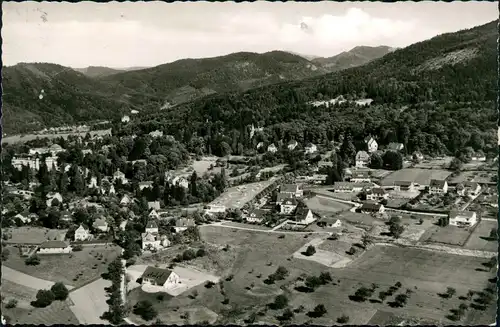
(273, 163)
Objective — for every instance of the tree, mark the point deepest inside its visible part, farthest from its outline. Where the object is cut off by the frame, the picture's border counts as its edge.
(280, 273)
(325, 277)
(393, 160)
(396, 230)
(60, 291)
(456, 164)
(319, 310)
(43, 298)
(382, 295)
(34, 260)
(450, 291)
(280, 302)
(494, 234)
(310, 251)
(313, 282)
(376, 161)
(5, 254)
(343, 319)
(145, 310)
(11, 304)
(287, 315)
(366, 240)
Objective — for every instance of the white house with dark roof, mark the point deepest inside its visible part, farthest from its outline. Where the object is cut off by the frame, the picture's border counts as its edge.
(293, 189)
(161, 278)
(153, 214)
(256, 216)
(154, 205)
(438, 186)
(349, 187)
(92, 183)
(463, 218)
(472, 188)
(54, 247)
(101, 225)
(183, 224)
(156, 133)
(125, 119)
(360, 177)
(152, 227)
(362, 159)
(377, 194)
(371, 208)
(303, 215)
(281, 197)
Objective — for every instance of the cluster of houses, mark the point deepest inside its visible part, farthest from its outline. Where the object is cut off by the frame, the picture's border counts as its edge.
(363, 157)
(32, 159)
(310, 148)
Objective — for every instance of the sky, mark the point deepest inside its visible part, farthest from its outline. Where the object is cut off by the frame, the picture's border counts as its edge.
(145, 34)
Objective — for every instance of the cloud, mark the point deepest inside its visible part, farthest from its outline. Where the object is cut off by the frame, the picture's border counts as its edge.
(139, 42)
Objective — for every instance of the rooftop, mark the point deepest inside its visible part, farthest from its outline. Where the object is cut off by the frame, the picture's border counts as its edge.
(159, 275)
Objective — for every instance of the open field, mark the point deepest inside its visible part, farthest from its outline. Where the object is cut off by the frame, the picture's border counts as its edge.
(435, 163)
(236, 197)
(320, 203)
(475, 176)
(479, 239)
(379, 173)
(34, 235)
(426, 273)
(89, 302)
(29, 137)
(359, 219)
(420, 176)
(23, 294)
(450, 235)
(58, 313)
(80, 262)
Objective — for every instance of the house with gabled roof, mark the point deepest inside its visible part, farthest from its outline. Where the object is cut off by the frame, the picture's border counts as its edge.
(256, 216)
(147, 184)
(303, 215)
(125, 200)
(371, 208)
(462, 218)
(281, 197)
(118, 175)
(292, 145)
(162, 278)
(438, 186)
(377, 194)
(154, 205)
(153, 214)
(310, 148)
(371, 144)
(101, 225)
(293, 189)
(406, 186)
(152, 227)
(288, 206)
(272, 148)
(362, 159)
(82, 234)
(472, 188)
(360, 177)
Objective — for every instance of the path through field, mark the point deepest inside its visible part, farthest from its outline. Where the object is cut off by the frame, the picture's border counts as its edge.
(27, 280)
(221, 224)
(89, 302)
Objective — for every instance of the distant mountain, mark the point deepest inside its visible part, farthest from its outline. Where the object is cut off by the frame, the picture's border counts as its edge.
(305, 56)
(100, 71)
(355, 57)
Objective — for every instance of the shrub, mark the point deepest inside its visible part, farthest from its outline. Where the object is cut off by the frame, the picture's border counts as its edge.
(145, 310)
(60, 291)
(43, 299)
(32, 261)
(310, 251)
(343, 319)
(209, 284)
(280, 302)
(77, 248)
(11, 304)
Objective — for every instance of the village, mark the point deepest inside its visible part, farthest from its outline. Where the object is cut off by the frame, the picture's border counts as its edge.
(175, 252)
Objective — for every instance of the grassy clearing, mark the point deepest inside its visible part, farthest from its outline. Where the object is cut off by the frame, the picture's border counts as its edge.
(479, 239)
(58, 313)
(23, 294)
(434, 163)
(420, 176)
(34, 235)
(64, 268)
(450, 235)
(322, 204)
(29, 137)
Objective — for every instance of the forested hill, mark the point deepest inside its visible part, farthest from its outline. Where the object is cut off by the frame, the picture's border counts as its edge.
(436, 96)
(187, 79)
(76, 95)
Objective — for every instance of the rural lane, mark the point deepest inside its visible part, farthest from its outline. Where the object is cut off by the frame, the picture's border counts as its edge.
(221, 224)
(27, 280)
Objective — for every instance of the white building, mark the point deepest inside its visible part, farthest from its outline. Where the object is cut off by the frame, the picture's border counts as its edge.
(336, 224)
(215, 208)
(288, 206)
(370, 208)
(156, 133)
(111, 190)
(292, 145)
(272, 148)
(362, 159)
(154, 205)
(125, 119)
(376, 194)
(311, 148)
(303, 215)
(472, 188)
(125, 200)
(371, 144)
(82, 234)
(183, 224)
(120, 176)
(162, 278)
(143, 185)
(152, 227)
(54, 247)
(463, 218)
(438, 187)
(360, 177)
(92, 183)
(256, 216)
